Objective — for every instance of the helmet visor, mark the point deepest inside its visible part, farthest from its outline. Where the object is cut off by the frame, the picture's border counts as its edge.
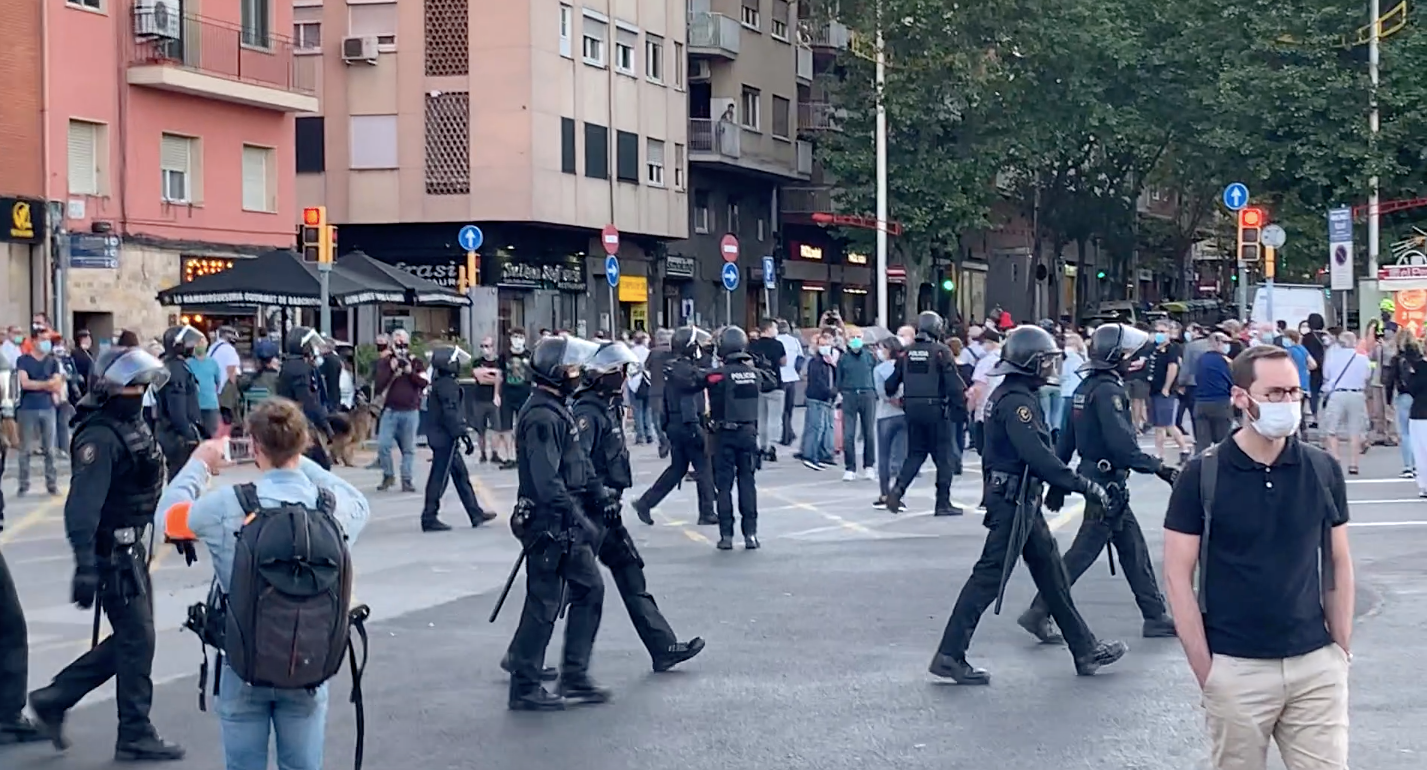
(612, 356)
(188, 337)
(702, 338)
(312, 340)
(135, 367)
(578, 352)
(1132, 339)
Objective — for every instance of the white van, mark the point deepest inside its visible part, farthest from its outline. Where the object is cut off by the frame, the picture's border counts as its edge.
(1292, 304)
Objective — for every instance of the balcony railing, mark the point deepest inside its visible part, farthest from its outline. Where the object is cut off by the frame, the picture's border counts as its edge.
(816, 116)
(807, 200)
(831, 34)
(713, 33)
(805, 63)
(217, 49)
(715, 137)
(805, 157)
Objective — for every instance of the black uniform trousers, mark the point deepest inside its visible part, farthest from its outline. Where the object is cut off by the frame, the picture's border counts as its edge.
(686, 448)
(927, 435)
(548, 566)
(14, 647)
(735, 454)
(127, 655)
(618, 553)
(1043, 560)
(1130, 548)
(448, 466)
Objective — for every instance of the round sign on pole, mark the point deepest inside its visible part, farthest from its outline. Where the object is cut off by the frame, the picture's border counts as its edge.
(729, 248)
(730, 275)
(609, 236)
(470, 237)
(611, 270)
(1273, 237)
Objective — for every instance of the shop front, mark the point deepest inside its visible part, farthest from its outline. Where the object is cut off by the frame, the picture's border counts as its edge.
(534, 293)
(633, 303)
(22, 262)
(853, 280)
(807, 280)
(677, 300)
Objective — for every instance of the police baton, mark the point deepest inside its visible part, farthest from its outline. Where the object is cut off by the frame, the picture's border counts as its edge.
(94, 637)
(509, 581)
(1020, 531)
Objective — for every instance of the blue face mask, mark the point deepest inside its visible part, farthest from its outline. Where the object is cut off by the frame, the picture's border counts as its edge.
(18, 339)
(44, 346)
(854, 344)
(1160, 338)
(1224, 349)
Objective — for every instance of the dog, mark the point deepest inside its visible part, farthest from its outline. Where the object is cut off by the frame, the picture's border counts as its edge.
(352, 428)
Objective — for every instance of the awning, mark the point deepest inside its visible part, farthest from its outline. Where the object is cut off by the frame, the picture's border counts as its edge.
(280, 278)
(418, 290)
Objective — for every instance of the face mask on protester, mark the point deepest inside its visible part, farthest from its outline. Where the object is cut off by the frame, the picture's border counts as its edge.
(517, 344)
(1276, 421)
(1160, 338)
(44, 346)
(825, 350)
(854, 344)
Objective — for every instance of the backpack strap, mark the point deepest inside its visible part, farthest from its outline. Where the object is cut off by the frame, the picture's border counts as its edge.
(1323, 470)
(326, 501)
(248, 498)
(1208, 485)
(358, 617)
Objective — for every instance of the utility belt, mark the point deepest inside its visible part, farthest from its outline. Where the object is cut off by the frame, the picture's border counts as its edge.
(731, 426)
(1102, 472)
(1008, 485)
(125, 569)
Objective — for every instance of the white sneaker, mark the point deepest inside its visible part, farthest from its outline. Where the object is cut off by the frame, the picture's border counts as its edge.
(849, 475)
(869, 473)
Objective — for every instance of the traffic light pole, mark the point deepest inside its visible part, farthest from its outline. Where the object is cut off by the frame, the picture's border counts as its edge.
(1374, 210)
(1243, 291)
(324, 279)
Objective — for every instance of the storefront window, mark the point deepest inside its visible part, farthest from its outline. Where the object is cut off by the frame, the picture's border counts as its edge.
(810, 301)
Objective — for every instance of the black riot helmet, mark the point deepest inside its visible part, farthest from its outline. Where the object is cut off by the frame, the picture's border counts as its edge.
(449, 360)
(1112, 346)
(118, 368)
(302, 341)
(1030, 351)
(181, 340)
(930, 324)
(557, 362)
(606, 372)
(688, 340)
(731, 340)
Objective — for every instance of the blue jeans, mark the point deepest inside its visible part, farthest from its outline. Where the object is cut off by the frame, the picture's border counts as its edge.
(643, 419)
(297, 718)
(891, 449)
(1402, 403)
(1054, 407)
(817, 432)
(397, 428)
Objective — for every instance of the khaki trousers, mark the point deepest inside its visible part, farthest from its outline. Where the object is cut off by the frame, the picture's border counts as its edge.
(1301, 703)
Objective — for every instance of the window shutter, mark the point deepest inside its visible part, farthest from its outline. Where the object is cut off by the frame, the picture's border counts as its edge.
(656, 152)
(255, 179)
(173, 155)
(83, 165)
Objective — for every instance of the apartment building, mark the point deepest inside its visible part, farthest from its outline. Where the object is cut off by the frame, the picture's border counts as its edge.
(746, 65)
(22, 178)
(538, 121)
(168, 146)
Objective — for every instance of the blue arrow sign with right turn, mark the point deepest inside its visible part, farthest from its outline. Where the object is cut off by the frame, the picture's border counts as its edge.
(730, 276)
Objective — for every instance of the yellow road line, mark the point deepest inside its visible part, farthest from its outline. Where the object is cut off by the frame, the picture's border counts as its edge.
(39, 514)
(697, 537)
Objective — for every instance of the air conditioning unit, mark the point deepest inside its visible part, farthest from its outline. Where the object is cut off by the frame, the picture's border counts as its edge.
(359, 49)
(157, 18)
(699, 70)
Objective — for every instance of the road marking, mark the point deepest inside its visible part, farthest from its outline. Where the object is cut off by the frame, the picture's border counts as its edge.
(1381, 481)
(1387, 502)
(35, 516)
(697, 537)
(1387, 523)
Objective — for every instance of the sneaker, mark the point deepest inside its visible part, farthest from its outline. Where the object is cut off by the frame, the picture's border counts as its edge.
(1407, 473)
(849, 475)
(869, 474)
(880, 503)
(806, 462)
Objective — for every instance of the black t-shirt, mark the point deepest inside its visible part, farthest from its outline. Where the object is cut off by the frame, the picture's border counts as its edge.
(1261, 577)
(482, 392)
(768, 348)
(515, 371)
(1314, 344)
(1158, 366)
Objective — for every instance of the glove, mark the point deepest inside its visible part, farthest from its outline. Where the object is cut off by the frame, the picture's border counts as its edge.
(1093, 491)
(1167, 472)
(468, 447)
(1054, 499)
(611, 510)
(187, 551)
(84, 587)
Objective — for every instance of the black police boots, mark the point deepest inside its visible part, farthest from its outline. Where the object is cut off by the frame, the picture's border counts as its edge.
(678, 653)
(547, 674)
(725, 543)
(642, 511)
(148, 748)
(1039, 626)
(1161, 627)
(581, 690)
(433, 524)
(958, 670)
(50, 718)
(481, 517)
(1103, 654)
(894, 499)
(538, 699)
(19, 729)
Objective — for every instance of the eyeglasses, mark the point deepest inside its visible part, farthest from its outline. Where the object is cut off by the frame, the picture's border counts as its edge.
(1280, 395)
(485, 347)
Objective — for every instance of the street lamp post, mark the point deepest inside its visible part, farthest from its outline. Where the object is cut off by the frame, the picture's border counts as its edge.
(1374, 38)
(882, 317)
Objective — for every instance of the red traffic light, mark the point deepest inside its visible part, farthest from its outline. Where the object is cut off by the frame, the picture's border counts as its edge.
(312, 216)
(1251, 217)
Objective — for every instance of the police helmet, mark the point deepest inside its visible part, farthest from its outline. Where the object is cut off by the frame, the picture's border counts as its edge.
(1113, 344)
(732, 340)
(265, 350)
(117, 368)
(607, 370)
(181, 340)
(557, 362)
(302, 341)
(930, 323)
(1030, 351)
(449, 359)
(689, 339)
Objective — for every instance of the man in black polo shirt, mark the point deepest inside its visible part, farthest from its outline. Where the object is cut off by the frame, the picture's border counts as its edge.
(1267, 640)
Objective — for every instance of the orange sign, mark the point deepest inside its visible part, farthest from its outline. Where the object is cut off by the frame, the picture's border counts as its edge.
(1411, 311)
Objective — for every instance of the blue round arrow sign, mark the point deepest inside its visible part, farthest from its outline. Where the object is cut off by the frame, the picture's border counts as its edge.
(730, 276)
(470, 238)
(1236, 196)
(611, 270)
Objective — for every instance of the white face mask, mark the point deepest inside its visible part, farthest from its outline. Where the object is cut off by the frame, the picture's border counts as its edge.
(1277, 421)
(907, 341)
(517, 344)
(825, 350)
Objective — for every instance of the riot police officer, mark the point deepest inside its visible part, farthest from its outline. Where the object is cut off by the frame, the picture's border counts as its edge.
(684, 384)
(297, 380)
(15, 727)
(598, 418)
(1017, 462)
(178, 422)
(931, 387)
(733, 389)
(1100, 430)
(558, 503)
(117, 479)
(446, 427)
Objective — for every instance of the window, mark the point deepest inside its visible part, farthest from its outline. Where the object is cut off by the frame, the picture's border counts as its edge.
(373, 142)
(762, 229)
(781, 119)
(259, 178)
(701, 212)
(567, 145)
(626, 156)
(749, 117)
(654, 58)
(176, 168)
(86, 149)
(256, 17)
(596, 151)
(567, 22)
(373, 20)
(750, 14)
(678, 167)
(311, 143)
(94, 4)
(307, 37)
(596, 32)
(624, 43)
(654, 162)
(733, 221)
(778, 25)
(678, 65)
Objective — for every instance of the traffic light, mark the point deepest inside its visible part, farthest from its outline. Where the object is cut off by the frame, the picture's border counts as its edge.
(473, 268)
(1100, 274)
(317, 238)
(1251, 222)
(461, 284)
(947, 284)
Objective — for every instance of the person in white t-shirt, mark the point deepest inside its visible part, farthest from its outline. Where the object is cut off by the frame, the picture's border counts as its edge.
(983, 384)
(1344, 413)
(788, 373)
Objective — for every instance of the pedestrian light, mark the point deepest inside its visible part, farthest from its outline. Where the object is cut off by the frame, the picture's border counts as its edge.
(948, 284)
(1100, 275)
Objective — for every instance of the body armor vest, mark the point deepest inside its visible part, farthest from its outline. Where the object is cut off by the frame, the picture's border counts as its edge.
(137, 479)
(922, 377)
(740, 395)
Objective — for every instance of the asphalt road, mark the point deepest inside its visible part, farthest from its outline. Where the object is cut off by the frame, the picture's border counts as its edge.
(817, 644)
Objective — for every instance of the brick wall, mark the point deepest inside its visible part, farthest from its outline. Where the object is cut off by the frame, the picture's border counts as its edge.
(22, 173)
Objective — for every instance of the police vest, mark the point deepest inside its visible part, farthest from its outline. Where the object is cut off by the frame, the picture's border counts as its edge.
(138, 477)
(740, 395)
(608, 455)
(681, 406)
(921, 379)
(1089, 433)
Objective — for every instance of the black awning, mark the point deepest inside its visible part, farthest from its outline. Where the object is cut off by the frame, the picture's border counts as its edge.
(281, 278)
(419, 291)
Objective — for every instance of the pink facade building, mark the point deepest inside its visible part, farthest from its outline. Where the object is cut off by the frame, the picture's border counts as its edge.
(169, 150)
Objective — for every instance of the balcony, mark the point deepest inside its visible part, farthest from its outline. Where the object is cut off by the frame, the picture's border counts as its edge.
(817, 116)
(218, 60)
(805, 158)
(804, 201)
(827, 38)
(718, 138)
(734, 148)
(804, 66)
(713, 34)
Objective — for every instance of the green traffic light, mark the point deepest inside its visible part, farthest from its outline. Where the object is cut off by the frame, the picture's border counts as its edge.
(1234, 278)
(1100, 274)
(948, 285)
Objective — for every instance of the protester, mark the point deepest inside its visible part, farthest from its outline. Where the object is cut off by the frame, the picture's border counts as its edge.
(399, 383)
(1213, 407)
(1070, 376)
(859, 405)
(1163, 369)
(768, 351)
(1403, 364)
(792, 363)
(817, 415)
(211, 380)
(891, 420)
(1344, 413)
(42, 387)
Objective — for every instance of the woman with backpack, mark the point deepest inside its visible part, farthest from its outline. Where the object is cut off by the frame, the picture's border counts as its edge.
(257, 697)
